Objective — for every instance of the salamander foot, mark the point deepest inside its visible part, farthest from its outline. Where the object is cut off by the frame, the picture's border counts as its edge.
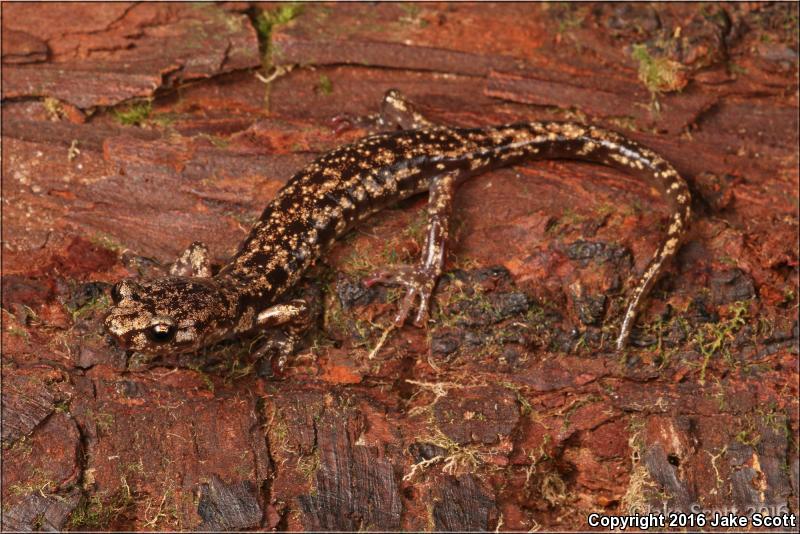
(418, 281)
(273, 354)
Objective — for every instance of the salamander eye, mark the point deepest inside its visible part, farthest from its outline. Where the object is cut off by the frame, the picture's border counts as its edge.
(161, 333)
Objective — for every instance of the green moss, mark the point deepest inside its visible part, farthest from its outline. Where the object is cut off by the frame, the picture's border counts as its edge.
(357, 263)
(391, 253)
(137, 467)
(569, 218)
(135, 114)
(411, 15)
(96, 304)
(661, 328)
(748, 435)
(22, 446)
(772, 418)
(712, 339)
(97, 513)
(18, 332)
(54, 108)
(417, 227)
(658, 74)
(103, 421)
(237, 370)
(267, 20)
(36, 483)
(789, 296)
(106, 241)
(279, 436)
(139, 361)
(364, 332)
(574, 407)
(203, 376)
(394, 293)
(88, 514)
(216, 140)
(325, 85)
(308, 466)
(565, 16)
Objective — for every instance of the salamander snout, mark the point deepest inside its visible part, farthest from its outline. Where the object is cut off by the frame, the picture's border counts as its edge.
(167, 315)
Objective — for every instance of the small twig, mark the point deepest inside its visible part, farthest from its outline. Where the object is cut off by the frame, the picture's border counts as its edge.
(277, 73)
(381, 342)
(420, 466)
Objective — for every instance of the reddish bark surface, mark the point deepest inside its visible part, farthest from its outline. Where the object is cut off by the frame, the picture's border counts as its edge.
(131, 130)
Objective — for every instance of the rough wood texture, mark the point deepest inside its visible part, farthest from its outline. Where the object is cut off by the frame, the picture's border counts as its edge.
(131, 130)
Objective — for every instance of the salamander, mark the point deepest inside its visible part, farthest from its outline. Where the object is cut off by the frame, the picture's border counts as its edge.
(191, 308)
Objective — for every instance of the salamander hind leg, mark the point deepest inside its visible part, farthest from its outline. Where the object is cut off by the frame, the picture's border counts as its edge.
(420, 280)
(397, 113)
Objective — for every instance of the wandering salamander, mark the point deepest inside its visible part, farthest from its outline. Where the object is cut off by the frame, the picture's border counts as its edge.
(191, 308)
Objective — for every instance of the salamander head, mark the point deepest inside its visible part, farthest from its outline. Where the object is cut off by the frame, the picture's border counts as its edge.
(169, 315)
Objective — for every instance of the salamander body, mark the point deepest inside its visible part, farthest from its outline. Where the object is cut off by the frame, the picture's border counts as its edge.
(191, 308)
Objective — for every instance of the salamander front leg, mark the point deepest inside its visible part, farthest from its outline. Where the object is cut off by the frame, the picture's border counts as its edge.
(396, 113)
(420, 280)
(399, 113)
(194, 262)
(291, 320)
